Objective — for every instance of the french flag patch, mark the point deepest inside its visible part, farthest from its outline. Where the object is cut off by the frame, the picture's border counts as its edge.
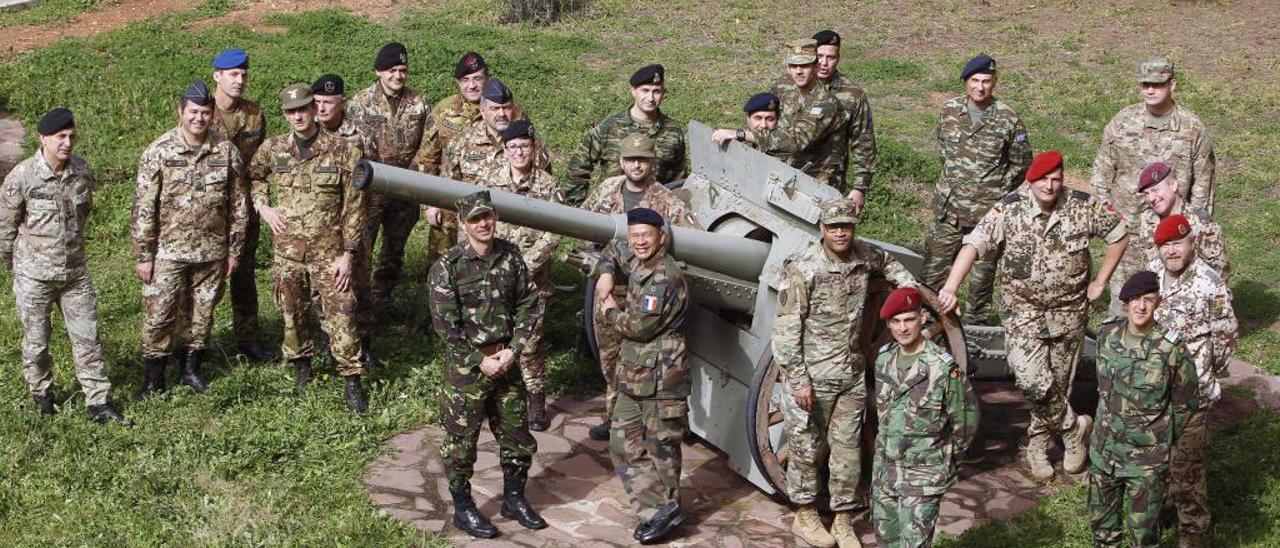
(650, 303)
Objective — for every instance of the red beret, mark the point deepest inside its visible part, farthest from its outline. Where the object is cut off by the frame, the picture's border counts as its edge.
(1153, 174)
(1173, 227)
(1044, 163)
(903, 299)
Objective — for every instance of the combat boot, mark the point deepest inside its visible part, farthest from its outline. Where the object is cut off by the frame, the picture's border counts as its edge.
(842, 530)
(301, 374)
(1038, 458)
(1076, 445)
(467, 518)
(367, 359)
(808, 526)
(600, 432)
(516, 507)
(191, 371)
(355, 396)
(44, 404)
(538, 412)
(1188, 539)
(105, 412)
(668, 517)
(254, 351)
(153, 377)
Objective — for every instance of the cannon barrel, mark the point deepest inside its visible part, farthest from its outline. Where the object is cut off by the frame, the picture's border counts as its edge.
(733, 256)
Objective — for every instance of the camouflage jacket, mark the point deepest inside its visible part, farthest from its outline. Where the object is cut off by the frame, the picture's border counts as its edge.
(396, 133)
(599, 148)
(928, 416)
(1146, 392)
(480, 301)
(812, 134)
(452, 116)
(191, 202)
(1044, 269)
(324, 213)
(862, 132)
(652, 362)
(820, 310)
(1197, 306)
(536, 246)
(979, 164)
(607, 198)
(245, 127)
(43, 216)
(476, 150)
(1132, 140)
(351, 132)
(1210, 246)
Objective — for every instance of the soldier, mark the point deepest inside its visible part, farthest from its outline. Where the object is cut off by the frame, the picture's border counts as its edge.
(822, 288)
(928, 414)
(1146, 391)
(1157, 129)
(481, 145)
(762, 112)
(240, 121)
(318, 223)
(984, 150)
(862, 132)
(636, 187)
(1045, 295)
(1195, 304)
(1161, 193)
(44, 204)
(653, 383)
(601, 145)
(190, 207)
(392, 116)
(484, 305)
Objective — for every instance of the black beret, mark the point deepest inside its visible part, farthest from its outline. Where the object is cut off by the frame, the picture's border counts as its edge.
(651, 74)
(469, 63)
(1140, 284)
(761, 101)
(519, 129)
(198, 93)
(982, 64)
(827, 38)
(391, 55)
(644, 216)
(56, 120)
(329, 84)
(495, 91)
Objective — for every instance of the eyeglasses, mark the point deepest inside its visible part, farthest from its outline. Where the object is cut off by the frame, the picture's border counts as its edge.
(526, 147)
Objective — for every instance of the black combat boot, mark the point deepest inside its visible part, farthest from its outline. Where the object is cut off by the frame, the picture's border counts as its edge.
(355, 395)
(105, 412)
(537, 411)
(367, 359)
(254, 351)
(661, 524)
(516, 507)
(301, 373)
(600, 432)
(44, 404)
(153, 380)
(467, 517)
(191, 371)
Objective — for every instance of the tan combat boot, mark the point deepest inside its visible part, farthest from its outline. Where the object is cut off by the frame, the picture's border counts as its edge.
(808, 526)
(1076, 445)
(1038, 458)
(842, 530)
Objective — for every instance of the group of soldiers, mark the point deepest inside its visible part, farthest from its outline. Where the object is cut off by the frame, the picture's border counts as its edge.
(204, 187)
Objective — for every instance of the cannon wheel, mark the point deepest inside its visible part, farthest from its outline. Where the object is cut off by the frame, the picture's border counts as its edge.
(765, 413)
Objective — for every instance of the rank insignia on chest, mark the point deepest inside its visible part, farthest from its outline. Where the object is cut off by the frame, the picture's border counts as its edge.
(650, 304)
(326, 169)
(218, 161)
(282, 164)
(475, 156)
(175, 162)
(377, 119)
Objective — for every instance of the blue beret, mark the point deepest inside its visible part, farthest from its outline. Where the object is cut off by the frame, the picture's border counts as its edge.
(517, 129)
(982, 64)
(644, 216)
(827, 38)
(1140, 284)
(761, 101)
(495, 91)
(197, 93)
(55, 120)
(329, 84)
(231, 58)
(649, 74)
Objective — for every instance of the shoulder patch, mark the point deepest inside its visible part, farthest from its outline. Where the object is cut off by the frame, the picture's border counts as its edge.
(887, 347)
(1020, 138)
(1171, 336)
(1010, 198)
(955, 373)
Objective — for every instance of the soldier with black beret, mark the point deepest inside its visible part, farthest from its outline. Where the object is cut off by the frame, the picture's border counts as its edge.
(762, 111)
(854, 101)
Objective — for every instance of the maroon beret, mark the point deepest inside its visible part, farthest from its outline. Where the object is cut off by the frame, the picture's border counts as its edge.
(1153, 174)
(1173, 227)
(1043, 164)
(903, 299)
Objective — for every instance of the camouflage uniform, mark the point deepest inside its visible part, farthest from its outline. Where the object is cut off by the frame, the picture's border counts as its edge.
(394, 126)
(1044, 272)
(362, 264)
(190, 208)
(653, 382)
(820, 309)
(812, 134)
(1210, 245)
(1146, 392)
(1197, 306)
(928, 415)
(980, 163)
(42, 225)
(480, 304)
(245, 127)
(324, 218)
(862, 134)
(600, 146)
(475, 151)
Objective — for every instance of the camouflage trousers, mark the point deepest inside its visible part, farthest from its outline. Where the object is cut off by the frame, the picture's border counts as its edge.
(244, 284)
(466, 400)
(533, 358)
(903, 520)
(362, 286)
(1132, 262)
(396, 219)
(179, 305)
(440, 239)
(608, 345)
(834, 422)
(75, 298)
(1188, 484)
(644, 444)
(1120, 504)
(941, 244)
(295, 281)
(1044, 370)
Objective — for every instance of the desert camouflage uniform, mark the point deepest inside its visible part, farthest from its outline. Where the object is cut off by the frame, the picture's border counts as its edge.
(362, 264)
(245, 127)
(1197, 306)
(600, 148)
(928, 416)
(862, 132)
(812, 134)
(190, 208)
(820, 309)
(1131, 141)
(479, 305)
(324, 217)
(980, 163)
(42, 225)
(1044, 273)
(394, 126)
(653, 381)
(1210, 245)
(1146, 392)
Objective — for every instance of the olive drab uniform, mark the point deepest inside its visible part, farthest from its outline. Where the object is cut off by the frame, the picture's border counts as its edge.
(362, 265)
(982, 160)
(42, 226)
(861, 133)
(1146, 393)
(928, 416)
(601, 147)
(245, 127)
(190, 209)
(324, 218)
(1211, 246)
(812, 134)
(819, 321)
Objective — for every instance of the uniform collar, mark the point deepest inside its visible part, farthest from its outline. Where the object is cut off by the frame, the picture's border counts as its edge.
(642, 270)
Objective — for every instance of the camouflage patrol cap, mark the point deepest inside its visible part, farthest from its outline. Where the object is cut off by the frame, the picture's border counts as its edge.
(837, 212)
(474, 205)
(1156, 70)
(637, 145)
(802, 52)
(296, 96)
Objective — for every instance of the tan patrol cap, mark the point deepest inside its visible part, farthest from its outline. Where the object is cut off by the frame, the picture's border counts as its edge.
(836, 212)
(637, 145)
(296, 96)
(802, 52)
(1156, 70)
